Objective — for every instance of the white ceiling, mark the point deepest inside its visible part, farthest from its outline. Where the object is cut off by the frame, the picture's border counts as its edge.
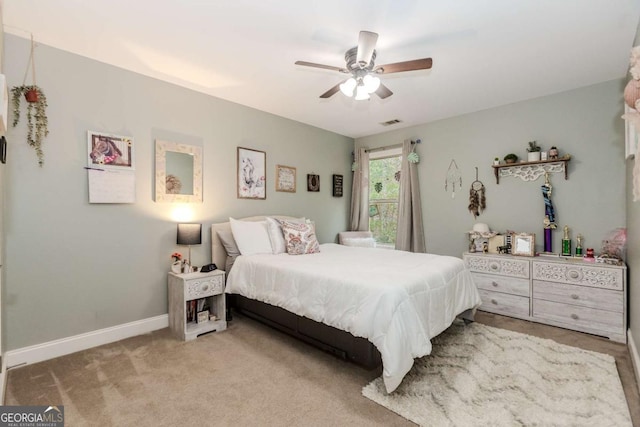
(485, 53)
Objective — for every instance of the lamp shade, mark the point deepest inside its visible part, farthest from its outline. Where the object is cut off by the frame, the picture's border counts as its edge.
(189, 234)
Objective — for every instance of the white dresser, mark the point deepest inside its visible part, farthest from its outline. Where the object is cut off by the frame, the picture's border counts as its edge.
(564, 292)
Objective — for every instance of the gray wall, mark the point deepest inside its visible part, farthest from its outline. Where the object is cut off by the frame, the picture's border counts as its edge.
(633, 246)
(73, 267)
(585, 123)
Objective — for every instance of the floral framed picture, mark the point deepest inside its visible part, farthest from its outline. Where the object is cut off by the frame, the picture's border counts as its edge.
(251, 174)
(285, 178)
(107, 151)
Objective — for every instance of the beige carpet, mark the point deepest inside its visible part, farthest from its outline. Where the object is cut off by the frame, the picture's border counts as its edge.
(478, 375)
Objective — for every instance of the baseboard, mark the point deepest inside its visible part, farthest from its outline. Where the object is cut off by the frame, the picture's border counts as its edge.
(49, 350)
(635, 357)
(3, 380)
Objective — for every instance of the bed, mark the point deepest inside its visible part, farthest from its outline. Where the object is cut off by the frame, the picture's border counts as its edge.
(365, 304)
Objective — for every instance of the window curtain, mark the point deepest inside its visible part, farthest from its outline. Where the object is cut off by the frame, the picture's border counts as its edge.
(410, 234)
(360, 192)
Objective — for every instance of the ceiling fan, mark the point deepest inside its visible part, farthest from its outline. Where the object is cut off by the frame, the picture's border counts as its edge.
(361, 66)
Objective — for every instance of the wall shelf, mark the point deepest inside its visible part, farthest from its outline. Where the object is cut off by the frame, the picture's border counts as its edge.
(530, 171)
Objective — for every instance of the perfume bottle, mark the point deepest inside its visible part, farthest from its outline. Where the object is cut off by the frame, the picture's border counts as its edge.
(566, 242)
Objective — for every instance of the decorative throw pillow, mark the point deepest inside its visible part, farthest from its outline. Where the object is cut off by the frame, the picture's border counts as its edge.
(300, 237)
(363, 242)
(276, 236)
(230, 246)
(251, 237)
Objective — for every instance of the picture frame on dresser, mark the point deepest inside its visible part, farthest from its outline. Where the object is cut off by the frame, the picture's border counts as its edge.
(523, 244)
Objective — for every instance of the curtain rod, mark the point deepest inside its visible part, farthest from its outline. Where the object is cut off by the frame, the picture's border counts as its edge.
(388, 147)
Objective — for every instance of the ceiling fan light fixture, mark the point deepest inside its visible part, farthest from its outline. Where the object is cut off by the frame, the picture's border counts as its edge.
(371, 83)
(361, 93)
(348, 86)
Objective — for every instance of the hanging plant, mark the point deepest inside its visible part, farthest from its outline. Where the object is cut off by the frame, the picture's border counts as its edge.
(37, 122)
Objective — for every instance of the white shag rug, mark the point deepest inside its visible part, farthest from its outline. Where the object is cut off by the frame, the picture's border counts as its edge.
(478, 375)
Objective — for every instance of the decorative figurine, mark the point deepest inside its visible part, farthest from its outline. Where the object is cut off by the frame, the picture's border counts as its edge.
(566, 242)
(553, 153)
(485, 247)
(579, 245)
(549, 222)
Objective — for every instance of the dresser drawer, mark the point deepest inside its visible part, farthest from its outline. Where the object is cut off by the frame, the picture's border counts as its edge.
(505, 266)
(507, 285)
(601, 299)
(207, 286)
(579, 273)
(577, 317)
(501, 303)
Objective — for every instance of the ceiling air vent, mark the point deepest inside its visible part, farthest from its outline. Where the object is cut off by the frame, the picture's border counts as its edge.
(391, 122)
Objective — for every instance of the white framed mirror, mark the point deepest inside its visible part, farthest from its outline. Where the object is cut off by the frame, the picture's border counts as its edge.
(178, 172)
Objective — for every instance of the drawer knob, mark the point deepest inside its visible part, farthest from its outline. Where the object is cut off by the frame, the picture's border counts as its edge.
(574, 274)
(494, 302)
(205, 287)
(574, 296)
(574, 316)
(494, 266)
(495, 284)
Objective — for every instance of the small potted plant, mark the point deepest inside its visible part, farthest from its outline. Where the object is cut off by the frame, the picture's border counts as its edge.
(37, 122)
(496, 161)
(533, 152)
(510, 158)
(176, 265)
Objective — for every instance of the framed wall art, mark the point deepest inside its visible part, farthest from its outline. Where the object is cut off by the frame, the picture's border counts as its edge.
(252, 181)
(313, 182)
(523, 244)
(107, 151)
(337, 185)
(285, 179)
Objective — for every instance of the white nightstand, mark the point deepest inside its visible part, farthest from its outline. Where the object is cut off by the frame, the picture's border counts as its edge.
(194, 294)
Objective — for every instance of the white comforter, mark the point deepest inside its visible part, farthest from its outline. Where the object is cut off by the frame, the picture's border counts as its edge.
(397, 300)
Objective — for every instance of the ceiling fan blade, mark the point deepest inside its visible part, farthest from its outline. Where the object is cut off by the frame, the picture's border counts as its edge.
(326, 67)
(383, 92)
(398, 67)
(332, 91)
(366, 44)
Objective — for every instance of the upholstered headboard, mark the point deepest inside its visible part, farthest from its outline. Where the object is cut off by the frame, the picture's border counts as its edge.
(218, 253)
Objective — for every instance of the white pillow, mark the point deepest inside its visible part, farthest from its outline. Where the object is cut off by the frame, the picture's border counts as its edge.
(363, 242)
(274, 227)
(251, 237)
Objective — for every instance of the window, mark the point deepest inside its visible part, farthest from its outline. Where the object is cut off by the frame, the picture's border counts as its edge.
(384, 192)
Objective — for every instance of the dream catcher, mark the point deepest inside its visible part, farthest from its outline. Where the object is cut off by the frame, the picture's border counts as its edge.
(453, 178)
(477, 199)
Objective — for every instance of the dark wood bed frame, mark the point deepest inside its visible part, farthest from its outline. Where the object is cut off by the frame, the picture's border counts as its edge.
(327, 338)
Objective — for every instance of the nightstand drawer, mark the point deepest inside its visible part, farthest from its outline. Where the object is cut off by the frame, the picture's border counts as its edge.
(580, 318)
(601, 299)
(510, 305)
(207, 286)
(507, 285)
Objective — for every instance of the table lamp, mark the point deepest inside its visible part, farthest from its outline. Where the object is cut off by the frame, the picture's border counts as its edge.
(189, 234)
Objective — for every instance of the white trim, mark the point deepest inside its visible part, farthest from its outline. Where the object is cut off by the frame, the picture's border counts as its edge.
(635, 357)
(3, 380)
(49, 350)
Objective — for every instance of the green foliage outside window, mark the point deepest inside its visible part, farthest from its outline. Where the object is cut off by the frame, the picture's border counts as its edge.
(384, 191)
